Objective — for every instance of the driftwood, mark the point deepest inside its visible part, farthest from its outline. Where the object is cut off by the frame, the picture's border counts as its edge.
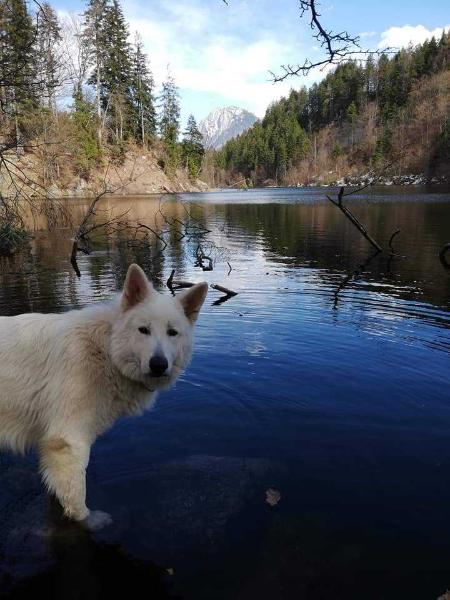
(178, 284)
(351, 217)
(224, 290)
(228, 294)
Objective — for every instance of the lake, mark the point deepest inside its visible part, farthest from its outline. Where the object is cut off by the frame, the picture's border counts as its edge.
(304, 454)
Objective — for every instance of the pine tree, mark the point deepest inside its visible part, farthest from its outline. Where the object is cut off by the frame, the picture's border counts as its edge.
(96, 42)
(169, 121)
(117, 70)
(370, 78)
(87, 150)
(17, 64)
(192, 147)
(142, 86)
(352, 116)
(106, 36)
(48, 38)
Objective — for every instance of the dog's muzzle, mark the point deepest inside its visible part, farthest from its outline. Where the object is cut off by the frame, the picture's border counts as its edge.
(158, 365)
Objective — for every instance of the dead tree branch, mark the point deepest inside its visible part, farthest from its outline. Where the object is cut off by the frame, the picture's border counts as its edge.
(85, 228)
(201, 258)
(351, 217)
(337, 47)
(222, 289)
(396, 232)
(178, 284)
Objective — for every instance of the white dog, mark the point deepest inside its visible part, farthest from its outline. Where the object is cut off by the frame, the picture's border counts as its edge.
(64, 379)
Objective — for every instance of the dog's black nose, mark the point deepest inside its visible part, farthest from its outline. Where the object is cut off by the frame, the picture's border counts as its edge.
(158, 365)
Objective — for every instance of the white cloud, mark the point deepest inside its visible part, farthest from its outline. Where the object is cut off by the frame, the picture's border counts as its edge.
(237, 71)
(228, 66)
(401, 37)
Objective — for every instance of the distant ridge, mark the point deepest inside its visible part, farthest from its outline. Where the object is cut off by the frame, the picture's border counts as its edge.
(222, 124)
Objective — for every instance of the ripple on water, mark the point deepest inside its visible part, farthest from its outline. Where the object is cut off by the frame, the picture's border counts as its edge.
(333, 374)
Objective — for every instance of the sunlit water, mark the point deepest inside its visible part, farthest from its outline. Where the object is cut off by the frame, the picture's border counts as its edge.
(326, 378)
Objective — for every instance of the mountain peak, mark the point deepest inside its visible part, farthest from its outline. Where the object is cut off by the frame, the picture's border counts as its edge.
(222, 124)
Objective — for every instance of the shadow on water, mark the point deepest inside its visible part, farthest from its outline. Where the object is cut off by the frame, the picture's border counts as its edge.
(326, 378)
(84, 569)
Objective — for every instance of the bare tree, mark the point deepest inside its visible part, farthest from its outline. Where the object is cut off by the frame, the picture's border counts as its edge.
(76, 52)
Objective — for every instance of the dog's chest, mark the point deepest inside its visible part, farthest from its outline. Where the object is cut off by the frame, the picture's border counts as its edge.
(125, 397)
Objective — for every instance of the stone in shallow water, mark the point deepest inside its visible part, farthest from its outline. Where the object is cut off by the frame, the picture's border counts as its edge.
(161, 514)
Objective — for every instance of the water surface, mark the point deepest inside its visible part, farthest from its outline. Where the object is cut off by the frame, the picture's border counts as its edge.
(326, 378)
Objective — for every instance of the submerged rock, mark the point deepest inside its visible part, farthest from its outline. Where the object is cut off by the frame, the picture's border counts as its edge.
(163, 511)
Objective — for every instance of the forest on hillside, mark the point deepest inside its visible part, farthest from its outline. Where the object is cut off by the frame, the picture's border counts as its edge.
(389, 115)
(76, 92)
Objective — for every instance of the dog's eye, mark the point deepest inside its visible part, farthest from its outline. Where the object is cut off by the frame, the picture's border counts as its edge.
(172, 332)
(144, 330)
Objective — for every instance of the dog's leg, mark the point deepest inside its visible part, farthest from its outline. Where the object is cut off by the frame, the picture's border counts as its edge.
(63, 467)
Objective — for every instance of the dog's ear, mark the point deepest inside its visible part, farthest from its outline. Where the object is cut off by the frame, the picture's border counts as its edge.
(192, 299)
(137, 287)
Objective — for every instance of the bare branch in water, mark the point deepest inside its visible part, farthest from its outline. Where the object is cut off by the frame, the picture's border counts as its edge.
(351, 217)
(166, 229)
(201, 258)
(178, 284)
(224, 290)
(85, 228)
(396, 232)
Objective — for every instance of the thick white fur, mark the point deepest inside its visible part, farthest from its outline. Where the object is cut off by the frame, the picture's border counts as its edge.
(64, 379)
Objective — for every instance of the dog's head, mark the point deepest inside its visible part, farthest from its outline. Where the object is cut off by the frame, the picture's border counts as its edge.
(151, 341)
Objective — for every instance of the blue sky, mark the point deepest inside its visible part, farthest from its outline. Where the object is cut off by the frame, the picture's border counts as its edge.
(221, 55)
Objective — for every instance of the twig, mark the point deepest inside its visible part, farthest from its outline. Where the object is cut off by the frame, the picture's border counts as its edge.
(392, 239)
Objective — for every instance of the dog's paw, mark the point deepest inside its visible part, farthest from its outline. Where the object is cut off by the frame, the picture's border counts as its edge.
(96, 520)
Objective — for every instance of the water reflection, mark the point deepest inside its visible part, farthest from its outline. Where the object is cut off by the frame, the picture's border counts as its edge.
(326, 378)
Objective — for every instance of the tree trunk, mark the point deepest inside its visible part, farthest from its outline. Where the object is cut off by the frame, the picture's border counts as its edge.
(99, 106)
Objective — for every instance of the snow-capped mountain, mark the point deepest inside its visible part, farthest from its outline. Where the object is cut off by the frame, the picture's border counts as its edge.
(223, 124)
